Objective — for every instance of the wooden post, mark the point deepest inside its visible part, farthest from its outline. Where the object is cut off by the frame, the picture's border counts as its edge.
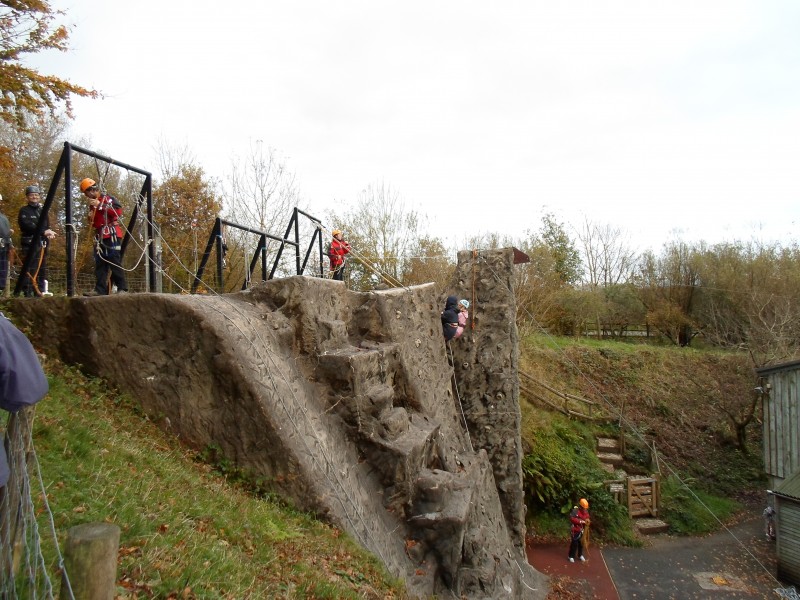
(90, 560)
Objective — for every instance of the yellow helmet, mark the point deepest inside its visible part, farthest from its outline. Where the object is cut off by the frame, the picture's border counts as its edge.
(584, 503)
(87, 183)
(336, 232)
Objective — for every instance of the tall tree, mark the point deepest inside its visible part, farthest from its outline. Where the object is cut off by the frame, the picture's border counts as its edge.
(566, 257)
(262, 191)
(28, 27)
(382, 233)
(670, 286)
(607, 257)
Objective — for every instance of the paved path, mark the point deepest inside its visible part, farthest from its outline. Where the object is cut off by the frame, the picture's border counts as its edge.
(738, 564)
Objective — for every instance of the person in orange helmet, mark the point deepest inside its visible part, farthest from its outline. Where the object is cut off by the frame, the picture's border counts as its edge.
(579, 519)
(337, 251)
(105, 214)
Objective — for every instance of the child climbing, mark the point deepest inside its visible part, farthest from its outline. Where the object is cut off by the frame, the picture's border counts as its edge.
(463, 315)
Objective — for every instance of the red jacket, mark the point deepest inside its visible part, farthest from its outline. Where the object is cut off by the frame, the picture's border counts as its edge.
(578, 519)
(336, 252)
(105, 218)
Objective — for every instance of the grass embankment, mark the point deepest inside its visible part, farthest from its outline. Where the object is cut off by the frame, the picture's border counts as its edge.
(681, 400)
(187, 530)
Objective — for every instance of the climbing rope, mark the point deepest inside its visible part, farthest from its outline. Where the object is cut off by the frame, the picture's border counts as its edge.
(458, 397)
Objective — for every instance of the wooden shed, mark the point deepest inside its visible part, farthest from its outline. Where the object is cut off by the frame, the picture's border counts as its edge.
(780, 388)
(787, 529)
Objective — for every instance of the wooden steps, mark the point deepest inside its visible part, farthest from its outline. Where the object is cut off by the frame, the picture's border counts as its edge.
(640, 494)
(650, 526)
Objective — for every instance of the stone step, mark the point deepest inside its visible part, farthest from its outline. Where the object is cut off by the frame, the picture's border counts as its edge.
(607, 445)
(651, 526)
(610, 459)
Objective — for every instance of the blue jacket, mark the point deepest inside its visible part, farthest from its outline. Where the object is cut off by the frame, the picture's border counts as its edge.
(450, 318)
(22, 380)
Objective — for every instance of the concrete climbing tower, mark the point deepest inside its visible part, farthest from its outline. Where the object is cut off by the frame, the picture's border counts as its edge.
(486, 361)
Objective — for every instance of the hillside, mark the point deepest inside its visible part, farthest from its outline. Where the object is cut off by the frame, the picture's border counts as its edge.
(686, 402)
(192, 527)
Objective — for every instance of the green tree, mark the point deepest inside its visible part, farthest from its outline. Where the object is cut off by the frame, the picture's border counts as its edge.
(28, 27)
(566, 257)
(751, 299)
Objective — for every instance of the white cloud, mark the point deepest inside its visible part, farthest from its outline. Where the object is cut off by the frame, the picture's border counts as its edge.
(649, 116)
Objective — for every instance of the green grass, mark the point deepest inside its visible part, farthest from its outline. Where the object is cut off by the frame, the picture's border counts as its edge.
(186, 530)
(691, 511)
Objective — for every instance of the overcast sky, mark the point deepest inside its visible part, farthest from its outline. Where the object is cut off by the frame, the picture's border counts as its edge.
(656, 117)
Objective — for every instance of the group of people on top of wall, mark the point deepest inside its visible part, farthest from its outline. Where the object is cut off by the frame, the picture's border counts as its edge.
(105, 216)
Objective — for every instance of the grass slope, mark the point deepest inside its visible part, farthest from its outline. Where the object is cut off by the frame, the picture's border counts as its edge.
(679, 399)
(187, 530)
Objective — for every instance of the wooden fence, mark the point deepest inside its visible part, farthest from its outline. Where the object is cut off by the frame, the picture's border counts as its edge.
(572, 406)
(641, 494)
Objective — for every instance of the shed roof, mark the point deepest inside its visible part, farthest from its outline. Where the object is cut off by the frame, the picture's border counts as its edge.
(790, 487)
(787, 366)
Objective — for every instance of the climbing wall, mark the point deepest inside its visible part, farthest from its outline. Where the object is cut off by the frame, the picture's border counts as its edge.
(485, 360)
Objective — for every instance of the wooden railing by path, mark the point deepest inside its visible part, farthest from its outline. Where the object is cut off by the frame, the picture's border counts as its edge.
(568, 404)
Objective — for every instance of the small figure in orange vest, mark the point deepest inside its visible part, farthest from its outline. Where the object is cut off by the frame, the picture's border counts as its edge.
(579, 518)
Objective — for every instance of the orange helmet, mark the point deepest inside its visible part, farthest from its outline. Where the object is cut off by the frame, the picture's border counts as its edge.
(584, 503)
(87, 183)
(336, 232)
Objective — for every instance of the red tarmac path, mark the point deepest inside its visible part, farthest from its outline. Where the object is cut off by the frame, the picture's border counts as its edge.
(591, 577)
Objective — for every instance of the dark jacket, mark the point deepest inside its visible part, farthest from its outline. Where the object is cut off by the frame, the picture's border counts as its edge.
(28, 217)
(450, 318)
(5, 231)
(22, 380)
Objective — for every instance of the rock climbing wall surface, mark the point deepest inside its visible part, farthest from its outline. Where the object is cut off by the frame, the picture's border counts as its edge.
(486, 361)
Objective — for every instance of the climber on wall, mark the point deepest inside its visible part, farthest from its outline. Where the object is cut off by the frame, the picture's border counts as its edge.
(450, 318)
(463, 315)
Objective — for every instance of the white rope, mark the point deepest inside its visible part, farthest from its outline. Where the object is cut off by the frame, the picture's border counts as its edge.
(458, 396)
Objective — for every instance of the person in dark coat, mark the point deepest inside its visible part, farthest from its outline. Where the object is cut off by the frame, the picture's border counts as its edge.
(22, 380)
(33, 282)
(450, 318)
(6, 243)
